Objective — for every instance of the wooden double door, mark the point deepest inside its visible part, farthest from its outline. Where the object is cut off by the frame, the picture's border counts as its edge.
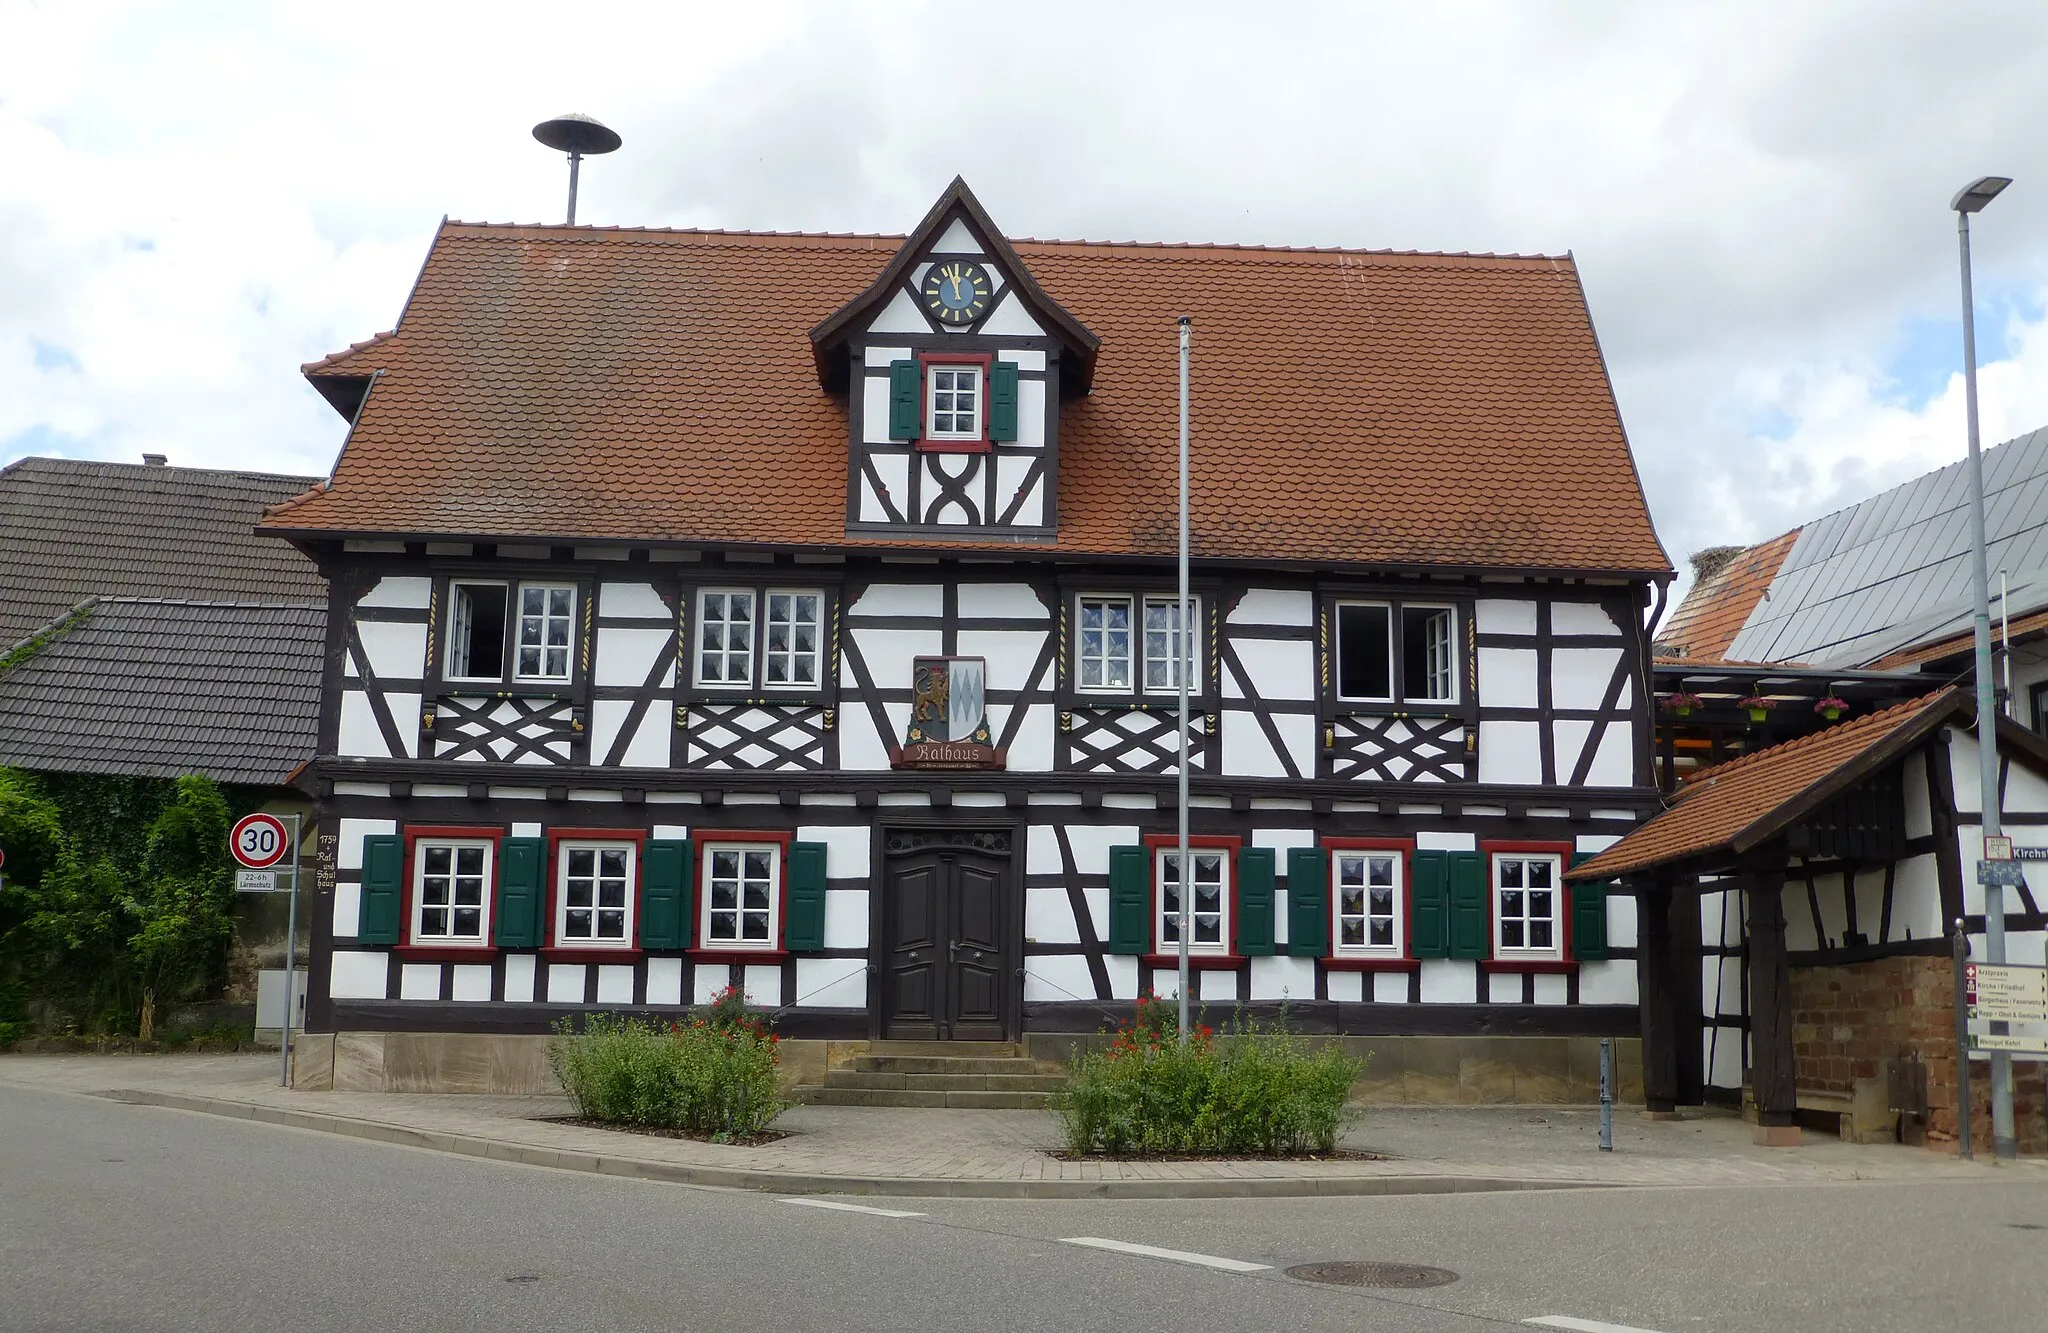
(952, 935)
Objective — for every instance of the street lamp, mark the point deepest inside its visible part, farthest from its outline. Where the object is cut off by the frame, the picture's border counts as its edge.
(1971, 199)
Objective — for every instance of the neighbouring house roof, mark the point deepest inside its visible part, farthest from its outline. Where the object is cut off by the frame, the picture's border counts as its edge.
(158, 688)
(72, 530)
(1721, 600)
(1348, 406)
(1737, 805)
(2016, 628)
(1870, 584)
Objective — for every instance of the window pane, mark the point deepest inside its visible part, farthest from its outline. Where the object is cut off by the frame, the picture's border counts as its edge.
(1426, 652)
(476, 631)
(544, 625)
(1105, 643)
(1164, 649)
(1364, 653)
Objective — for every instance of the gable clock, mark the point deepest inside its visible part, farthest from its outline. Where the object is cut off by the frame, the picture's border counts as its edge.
(956, 291)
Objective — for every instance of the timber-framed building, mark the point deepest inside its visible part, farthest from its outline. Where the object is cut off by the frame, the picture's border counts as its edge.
(797, 612)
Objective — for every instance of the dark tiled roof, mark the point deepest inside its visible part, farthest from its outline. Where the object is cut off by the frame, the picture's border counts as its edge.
(159, 688)
(1348, 406)
(73, 530)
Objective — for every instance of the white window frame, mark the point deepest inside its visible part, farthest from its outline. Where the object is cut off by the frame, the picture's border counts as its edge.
(709, 853)
(1129, 657)
(817, 649)
(563, 939)
(1449, 666)
(756, 650)
(461, 636)
(518, 615)
(1165, 944)
(932, 371)
(728, 652)
(1192, 656)
(1367, 855)
(482, 939)
(1554, 951)
(1397, 643)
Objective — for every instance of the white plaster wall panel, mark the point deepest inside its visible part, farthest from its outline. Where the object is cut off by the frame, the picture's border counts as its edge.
(1031, 748)
(905, 798)
(359, 735)
(1621, 921)
(1496, 615)
(1919, 811)
(1551, 989)
(606, 717)
(2025, 792)
(1007, 601)
(1281, 840)
(596, 795)
(649, 746)
(1581, 618)
(348, 851)
(1058, 977)
(831, 983)
(874, 405)
(418, 981)
(1962, 758)
(377, 789)
(395, 651)
(1348, 987)
(1594, 842)
(844, 799)
(1507, 677)
(1011, 471)
(956, 240)
(626, 656)
(1449, 981)
(1049, 917)
(1799, 934)
(565, 983)
(399, 593)
(879, 357)
(1614, 763)
(519, 974)
(1031, 413)
(1579, 676)
(2026, 948)
(357, 976)
(889, 654)
(901, 315)
(1916, 898)
(763, 984)
(471, 983)
(1723, 1058)
(1387, 987)
(846, 848)
(1097, 897)
(348, 910)
(614, 984)
(1042, 850)
(665, 981)
(1123, 976)
(1214, 987)
(900, 599)
(937, 470)
(1501, 987)
(1298, 734)
(1291, 607)
(1011, 319)
(893, 471)
(1275, 668)
(1429, 841)
(1510, 753)
(707, 979)
(1721, 994)
(638, 601)
(1283, 978)
(1091, 844)
(1012, 653)
(846, 918)
(1024, 359)
(1610, 982)
(861, 749)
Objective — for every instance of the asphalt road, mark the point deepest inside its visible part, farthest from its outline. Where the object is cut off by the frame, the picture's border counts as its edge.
(127, 1217)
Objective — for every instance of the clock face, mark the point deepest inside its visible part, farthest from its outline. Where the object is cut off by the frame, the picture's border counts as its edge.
(956, 291)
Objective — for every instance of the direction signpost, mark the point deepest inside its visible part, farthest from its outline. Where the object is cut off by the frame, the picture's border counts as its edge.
(259, 841)
(2008, 1009)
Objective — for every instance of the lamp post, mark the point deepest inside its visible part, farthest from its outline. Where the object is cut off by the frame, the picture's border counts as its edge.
(1182, 667)
(1971, 199)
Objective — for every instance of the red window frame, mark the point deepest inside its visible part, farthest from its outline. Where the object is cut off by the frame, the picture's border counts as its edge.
(1564, 962)
(700, 861)
(556, 952)
(925, 361)
(1405, 961)
(1154, 843)
(448, 950)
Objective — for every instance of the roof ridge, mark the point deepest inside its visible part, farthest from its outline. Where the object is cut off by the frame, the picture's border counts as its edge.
(153, 469)
(1829, 735)
(296, 604)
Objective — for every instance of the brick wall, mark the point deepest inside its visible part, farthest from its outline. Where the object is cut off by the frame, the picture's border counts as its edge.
(1848, 1020)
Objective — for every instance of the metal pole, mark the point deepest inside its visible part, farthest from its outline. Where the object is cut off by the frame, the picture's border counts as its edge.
(1607, 1094)
(575, 161)
(2003, 1141)
(291, 940)
(1959, 950)
(2005, 639)
(1185, 666)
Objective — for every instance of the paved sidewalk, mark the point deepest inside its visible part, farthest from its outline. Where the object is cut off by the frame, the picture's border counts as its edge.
(1005, 1154)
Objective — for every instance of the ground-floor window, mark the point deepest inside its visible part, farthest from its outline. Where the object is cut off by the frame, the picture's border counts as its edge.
(1367, 902)
(1208, 887)
(741, 893)
(451, 891)
(594, 893)
(1528, 894)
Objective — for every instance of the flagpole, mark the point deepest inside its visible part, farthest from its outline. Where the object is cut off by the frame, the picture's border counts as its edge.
(1184, 667)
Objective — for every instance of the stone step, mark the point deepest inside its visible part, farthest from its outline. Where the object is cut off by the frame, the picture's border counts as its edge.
(944, 1064)
(813, 1095)
(950, 1082)
(983, 1050)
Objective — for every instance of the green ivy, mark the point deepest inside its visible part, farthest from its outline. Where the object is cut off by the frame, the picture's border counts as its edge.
(44, 637)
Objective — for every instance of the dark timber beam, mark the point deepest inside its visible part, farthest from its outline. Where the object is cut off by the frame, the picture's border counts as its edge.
(1774, 1072)
(1654, 988)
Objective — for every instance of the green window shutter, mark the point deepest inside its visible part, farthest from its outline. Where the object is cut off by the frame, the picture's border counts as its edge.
(804, 928)
(1308, 902)
(1589, 916)
(1002, 400)
(1470, 921)
(1130, 900)
(521, 865)
(906, 400)
(383, 893)
(665, 894)
(1429, 922)
(1255, 901)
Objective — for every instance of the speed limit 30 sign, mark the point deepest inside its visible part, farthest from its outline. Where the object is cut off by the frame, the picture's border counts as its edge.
(258, 841)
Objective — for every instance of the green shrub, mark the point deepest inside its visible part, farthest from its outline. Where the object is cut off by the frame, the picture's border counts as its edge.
(713, 1077)
(1259, 1091)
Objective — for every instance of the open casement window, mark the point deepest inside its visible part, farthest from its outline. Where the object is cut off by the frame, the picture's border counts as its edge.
(1129, 643)
(451, 893)
(532, 623)
(1393, 652)
(770, 639)
(595, 892)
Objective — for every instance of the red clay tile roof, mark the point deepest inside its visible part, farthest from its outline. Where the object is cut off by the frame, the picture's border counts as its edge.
(1392, 409)
(1716, 607)
(1736, 803)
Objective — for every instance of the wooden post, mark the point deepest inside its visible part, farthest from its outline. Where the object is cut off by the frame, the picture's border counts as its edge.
(1654, 991)
(1774, 1072)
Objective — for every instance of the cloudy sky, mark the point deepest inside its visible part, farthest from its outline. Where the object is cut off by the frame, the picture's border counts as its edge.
(196, 198)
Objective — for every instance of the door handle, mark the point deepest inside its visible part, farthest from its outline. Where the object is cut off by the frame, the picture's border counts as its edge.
(953, 951)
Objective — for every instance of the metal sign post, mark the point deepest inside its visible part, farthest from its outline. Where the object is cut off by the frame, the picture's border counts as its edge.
(1607, 1094)
(258, 842)
(291, 940)
(1960, 951)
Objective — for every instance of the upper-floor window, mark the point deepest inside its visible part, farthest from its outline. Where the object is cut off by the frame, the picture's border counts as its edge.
(954, 403)
(1123, 638)
(771, 637)
(1389, 652)
(533, 623)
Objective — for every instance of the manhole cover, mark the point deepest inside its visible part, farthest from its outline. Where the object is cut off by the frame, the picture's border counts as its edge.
(1352, 1274)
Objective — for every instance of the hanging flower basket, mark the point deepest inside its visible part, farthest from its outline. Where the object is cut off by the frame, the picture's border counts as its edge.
(1681, 703)
(1831, 707)
(1759, 706)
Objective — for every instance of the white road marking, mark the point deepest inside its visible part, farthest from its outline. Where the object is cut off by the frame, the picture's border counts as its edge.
(1154, 1252)
(837, 1206)
(1584, 1325)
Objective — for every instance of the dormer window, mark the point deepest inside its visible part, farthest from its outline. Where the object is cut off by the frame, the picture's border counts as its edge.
(953, 409)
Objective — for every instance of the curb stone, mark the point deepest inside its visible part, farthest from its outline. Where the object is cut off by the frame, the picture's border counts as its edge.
(790, 1182)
